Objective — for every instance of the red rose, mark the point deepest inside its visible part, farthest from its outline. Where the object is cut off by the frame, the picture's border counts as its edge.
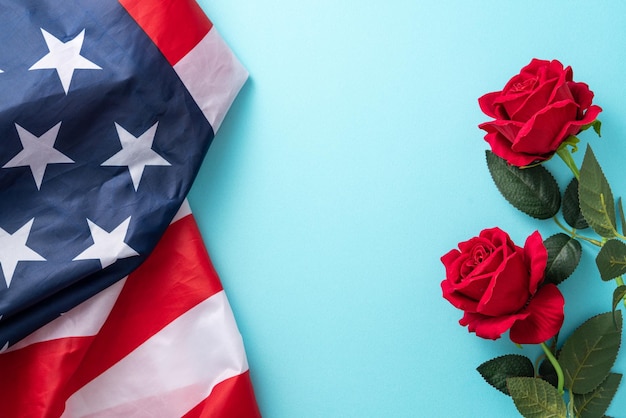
(499, 286)
(536, 111)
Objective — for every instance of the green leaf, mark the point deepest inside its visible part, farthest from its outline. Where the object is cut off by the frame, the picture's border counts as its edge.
(532, 190)
(497, 370)
(535, 398)
(564, 254)
(589, 353)
(594, 404)
(618, 295)
(596, 198)
(611, 259)
(571, 206)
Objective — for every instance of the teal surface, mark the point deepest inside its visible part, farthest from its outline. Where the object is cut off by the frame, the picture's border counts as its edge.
(351, 161)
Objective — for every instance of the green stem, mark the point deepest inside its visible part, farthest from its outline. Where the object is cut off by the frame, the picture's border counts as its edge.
(573, 234)
(556, 365)
(566, 156)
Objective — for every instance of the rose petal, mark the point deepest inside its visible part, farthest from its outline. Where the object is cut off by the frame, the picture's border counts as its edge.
(553, 69)
(474, 285)
(544, 320)
(462, 269)
(508, 290)
(538, 99)
(471, 286)
(451, 262)
(489, 327)
(536, 256)
(458, 300)
(511, 101)
(497, 237)
(522, 82)
(508, 128)
(502, 148)
(489, 264)
(499, 244)
(561, 91)
(540, 135)
(534, 65)
(499, 240)
(467, 246)
(569, 73)
(556, 68)
(573, 128)
(582, 95)
(488, 106)
(529, 71)
(541, 70)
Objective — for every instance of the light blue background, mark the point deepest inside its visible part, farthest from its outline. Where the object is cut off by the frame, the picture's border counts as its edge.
(351, 161)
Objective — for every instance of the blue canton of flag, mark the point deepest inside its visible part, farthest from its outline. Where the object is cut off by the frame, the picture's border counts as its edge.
(100, 144)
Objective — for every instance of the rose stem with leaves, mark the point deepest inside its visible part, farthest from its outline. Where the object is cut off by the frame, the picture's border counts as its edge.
(566, 155)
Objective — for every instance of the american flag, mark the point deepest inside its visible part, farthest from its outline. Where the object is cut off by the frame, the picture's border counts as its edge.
(109, 305)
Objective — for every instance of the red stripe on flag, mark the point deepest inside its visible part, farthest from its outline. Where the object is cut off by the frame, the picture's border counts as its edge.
(175, 26)
(179, 269)
(233, 398)
(34, 378)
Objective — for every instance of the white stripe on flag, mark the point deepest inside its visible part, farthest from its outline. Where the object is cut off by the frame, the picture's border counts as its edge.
(84, 320)
(213, 76)
(157, 379)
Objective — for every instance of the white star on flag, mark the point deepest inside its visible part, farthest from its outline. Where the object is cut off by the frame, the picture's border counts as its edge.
(64, 57)
(38, 152)
(136, 153)
(108, 247)
(13, 249)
